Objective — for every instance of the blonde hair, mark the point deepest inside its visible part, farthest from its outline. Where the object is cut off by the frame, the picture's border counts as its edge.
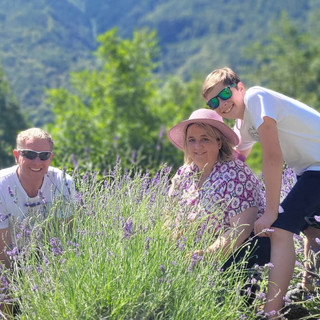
(33, 133)
(226, 150)
(225, 75)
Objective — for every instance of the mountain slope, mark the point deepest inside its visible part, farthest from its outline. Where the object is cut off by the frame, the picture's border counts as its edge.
(42, 40)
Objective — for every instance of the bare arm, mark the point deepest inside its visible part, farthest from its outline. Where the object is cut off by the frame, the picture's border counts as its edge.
(241, 228)
(272, 163)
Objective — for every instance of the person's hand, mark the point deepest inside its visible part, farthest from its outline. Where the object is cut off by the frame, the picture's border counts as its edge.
(263, 224)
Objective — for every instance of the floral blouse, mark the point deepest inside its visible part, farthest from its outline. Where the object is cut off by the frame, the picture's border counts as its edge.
(230, 189)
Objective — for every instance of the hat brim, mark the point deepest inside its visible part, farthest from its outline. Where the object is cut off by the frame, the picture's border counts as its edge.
(176, 133)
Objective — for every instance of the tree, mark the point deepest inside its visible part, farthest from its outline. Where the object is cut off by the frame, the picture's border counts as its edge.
(12, 121)
(288, 62)
(122, 108)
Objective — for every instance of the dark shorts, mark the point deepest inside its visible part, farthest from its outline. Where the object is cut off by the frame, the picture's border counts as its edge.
(259, 252)
(301, 204)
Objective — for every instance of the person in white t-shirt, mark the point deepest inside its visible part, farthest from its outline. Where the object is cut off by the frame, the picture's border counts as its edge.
(29, 189)
(288, 131)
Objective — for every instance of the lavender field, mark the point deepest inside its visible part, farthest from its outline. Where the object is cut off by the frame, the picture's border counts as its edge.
(119, 260)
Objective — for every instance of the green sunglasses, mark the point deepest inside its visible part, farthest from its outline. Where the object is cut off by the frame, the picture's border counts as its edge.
(224, 94)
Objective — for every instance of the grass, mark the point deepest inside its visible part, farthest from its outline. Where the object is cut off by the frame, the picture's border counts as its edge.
(117, 261)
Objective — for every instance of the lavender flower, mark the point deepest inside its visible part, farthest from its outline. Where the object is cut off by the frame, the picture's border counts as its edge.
(13, 252)
(133, 156)
(195, 258)
(128, 229)
(56, 247)
(74, 161)
(146, 246)
(269, 265)
(162, 268)
(161, 132)
(261, 296)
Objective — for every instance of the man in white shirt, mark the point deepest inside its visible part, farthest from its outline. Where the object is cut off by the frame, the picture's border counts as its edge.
(29, 189)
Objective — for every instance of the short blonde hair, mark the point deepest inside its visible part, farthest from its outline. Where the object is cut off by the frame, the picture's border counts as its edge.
(225, 75)
(33, 133)
(226, 151)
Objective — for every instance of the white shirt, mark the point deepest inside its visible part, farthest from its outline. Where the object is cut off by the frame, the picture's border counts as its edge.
(17, 208)
(298, 127)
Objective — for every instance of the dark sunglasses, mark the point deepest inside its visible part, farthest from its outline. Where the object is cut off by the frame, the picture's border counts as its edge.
(30, 154)
(224, 94)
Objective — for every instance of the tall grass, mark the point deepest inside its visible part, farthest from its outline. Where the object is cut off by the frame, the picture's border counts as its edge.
(118, 261)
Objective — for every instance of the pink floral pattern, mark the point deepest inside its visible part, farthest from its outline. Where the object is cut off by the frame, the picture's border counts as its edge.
(231, 188)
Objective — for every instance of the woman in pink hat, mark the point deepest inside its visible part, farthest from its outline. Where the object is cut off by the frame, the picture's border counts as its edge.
(213, 183)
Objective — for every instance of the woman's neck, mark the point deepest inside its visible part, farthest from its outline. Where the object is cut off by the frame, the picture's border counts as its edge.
(205, 173)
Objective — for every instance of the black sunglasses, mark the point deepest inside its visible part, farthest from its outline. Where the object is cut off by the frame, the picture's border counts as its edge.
(30, 154)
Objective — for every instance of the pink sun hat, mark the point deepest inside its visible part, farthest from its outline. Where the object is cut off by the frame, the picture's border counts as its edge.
(176, 133)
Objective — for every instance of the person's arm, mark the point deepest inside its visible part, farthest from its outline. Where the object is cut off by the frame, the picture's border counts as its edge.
(272, 163)
(241, 227)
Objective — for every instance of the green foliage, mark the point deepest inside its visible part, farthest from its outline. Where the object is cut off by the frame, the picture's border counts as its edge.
(42, 41)
(118, 261)
(289, 62)
(118, 109)
(12, 122)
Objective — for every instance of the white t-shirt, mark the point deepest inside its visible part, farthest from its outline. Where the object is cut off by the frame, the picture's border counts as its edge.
(298, 127)
(17, 208)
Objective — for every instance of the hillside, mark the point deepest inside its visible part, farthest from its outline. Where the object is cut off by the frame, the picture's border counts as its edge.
(41, 41)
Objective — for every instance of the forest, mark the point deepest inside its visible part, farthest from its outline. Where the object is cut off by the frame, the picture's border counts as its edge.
(108, 81)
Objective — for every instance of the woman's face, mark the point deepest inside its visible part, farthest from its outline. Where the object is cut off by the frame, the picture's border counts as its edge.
(202, 148)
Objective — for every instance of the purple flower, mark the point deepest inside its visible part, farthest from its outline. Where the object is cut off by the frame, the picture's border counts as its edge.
(317, 218)
(35, 288)
(128, 229)
(4, 282)
(56, 246)
(162, 268)
(133, 156)
(181, 243)
(161, 132)
(261, 295)
(271, 313)
(13, 252)
(195, 259)
(146, 246)
(74, 161)
(85, 177)
(269, 265)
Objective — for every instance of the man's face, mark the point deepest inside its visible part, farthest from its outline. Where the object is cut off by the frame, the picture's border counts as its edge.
(33, 168)
(233, 107)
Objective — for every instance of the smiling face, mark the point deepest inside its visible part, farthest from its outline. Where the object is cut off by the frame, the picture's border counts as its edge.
(202, 148)
(33, 170)
(232, 108)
